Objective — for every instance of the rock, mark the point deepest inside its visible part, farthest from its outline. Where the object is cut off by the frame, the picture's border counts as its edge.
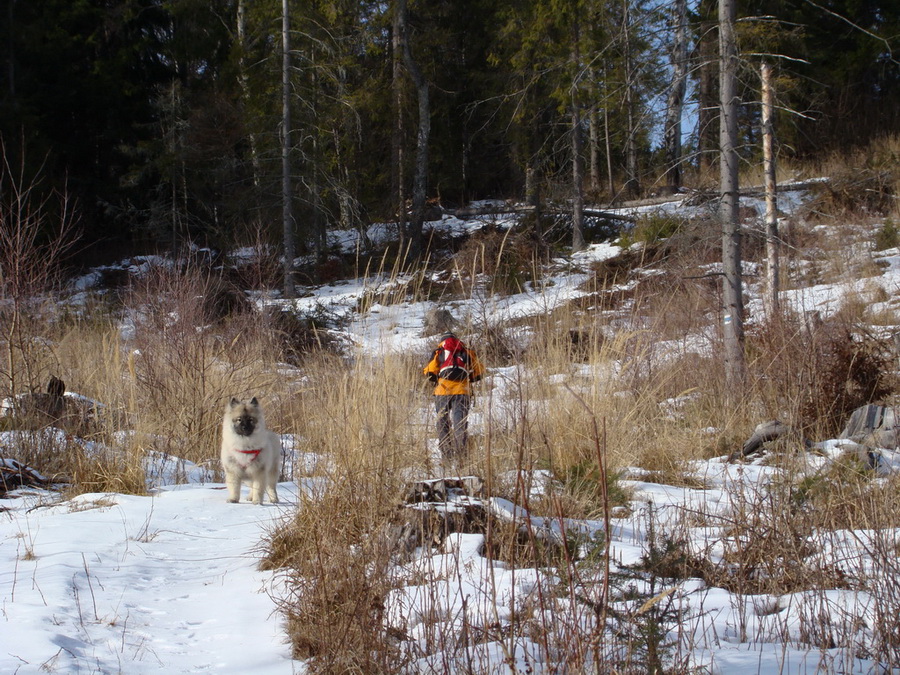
(437, 320)
(863, 421)
(874, 426)
(765, 432)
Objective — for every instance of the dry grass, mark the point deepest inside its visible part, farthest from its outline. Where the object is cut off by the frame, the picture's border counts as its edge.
(163, 390)
(363, 419)
(863, 183)
(337, 564)
(629, 377)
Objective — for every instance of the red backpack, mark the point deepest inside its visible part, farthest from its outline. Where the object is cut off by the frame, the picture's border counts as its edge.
(453, 360)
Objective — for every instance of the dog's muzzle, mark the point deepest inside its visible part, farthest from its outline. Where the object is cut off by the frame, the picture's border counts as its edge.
(244, 425)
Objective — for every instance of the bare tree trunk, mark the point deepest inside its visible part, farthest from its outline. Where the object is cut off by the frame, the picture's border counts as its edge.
(675, 103)
(594, 140)
(577, 181)
(398, 173)
(707, 145)
(594, 150)
(424, 131)
(632, 182)
(319, 234)
(608, 143)
(244, 83)
(772, 241)
(733, 310)
(286, 206)
(577, 150)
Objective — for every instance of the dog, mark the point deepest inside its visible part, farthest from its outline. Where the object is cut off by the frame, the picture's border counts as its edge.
(250, 452)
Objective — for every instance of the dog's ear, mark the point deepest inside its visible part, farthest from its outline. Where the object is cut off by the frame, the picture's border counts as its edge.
(234, 401)
(253, 401)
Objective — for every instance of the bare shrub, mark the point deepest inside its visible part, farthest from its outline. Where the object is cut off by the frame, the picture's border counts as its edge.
(46, 449)
(186, 361)
(818, 374)
(37, 230)
(856, 191)
(338, 577)
(298, 335)
(510, 258)
(767, 545)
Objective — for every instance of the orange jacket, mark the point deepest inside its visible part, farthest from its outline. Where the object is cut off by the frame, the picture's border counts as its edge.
(450, 387)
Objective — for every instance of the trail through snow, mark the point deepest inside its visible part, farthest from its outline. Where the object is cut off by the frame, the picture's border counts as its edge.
(167, 583)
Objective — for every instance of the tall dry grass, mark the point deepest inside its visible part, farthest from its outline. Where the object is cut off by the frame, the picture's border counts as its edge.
(161, 390)
(627, 377)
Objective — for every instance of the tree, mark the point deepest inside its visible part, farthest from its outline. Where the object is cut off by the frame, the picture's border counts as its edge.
(290, 244)
(772, 241)
(420, 172)
(732, 295)
(707, 64)
(844, 70)
(398, 158)
(578, 243)
(632, 179)
(675, 99)
(74, 91)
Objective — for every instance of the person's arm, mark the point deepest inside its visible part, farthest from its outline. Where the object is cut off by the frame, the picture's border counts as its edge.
(431, 370)
(477, 370)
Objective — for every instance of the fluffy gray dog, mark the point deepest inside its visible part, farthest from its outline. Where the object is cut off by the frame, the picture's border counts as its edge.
(250, 452)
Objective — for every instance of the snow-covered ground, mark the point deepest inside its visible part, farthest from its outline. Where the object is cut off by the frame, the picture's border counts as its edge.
(110, 583)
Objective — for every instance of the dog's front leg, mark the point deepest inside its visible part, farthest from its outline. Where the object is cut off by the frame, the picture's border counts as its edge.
(256, 490)
(233, 483)
(272, 483)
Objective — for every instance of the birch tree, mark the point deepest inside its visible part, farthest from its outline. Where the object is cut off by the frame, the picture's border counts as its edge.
(772, 252)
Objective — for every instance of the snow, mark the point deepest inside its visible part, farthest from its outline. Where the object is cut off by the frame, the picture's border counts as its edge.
(107, 583)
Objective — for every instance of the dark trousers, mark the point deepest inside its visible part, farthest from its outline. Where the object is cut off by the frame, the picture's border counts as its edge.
(452, 424)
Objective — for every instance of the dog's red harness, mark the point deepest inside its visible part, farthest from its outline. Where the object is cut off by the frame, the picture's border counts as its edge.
(254, 454)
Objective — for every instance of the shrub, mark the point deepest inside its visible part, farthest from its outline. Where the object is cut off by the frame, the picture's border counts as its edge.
(888, 236)
(856, 191)
(508, 257)
(656, 227)
(338, 577)
(818, 374)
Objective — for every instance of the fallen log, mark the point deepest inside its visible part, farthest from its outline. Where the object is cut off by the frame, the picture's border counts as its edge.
(689, 196)
(436, 508)
(470, 212)
(15, 475)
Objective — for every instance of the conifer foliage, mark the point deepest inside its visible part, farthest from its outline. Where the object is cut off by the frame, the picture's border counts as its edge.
(163, 117)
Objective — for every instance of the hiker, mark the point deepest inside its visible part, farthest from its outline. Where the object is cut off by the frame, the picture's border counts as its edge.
(452, 369)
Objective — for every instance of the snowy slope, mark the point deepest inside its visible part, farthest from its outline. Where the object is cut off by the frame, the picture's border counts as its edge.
(169, 583)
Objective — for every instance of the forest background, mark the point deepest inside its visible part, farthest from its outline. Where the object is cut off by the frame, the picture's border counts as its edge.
(163, 120)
